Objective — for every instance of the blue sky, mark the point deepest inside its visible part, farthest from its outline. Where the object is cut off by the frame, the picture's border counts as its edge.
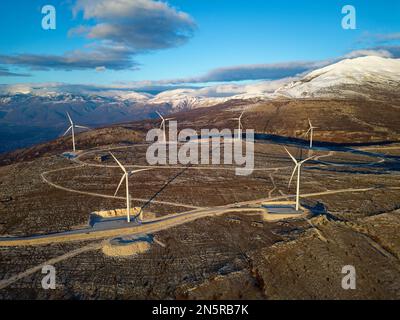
(186, 41)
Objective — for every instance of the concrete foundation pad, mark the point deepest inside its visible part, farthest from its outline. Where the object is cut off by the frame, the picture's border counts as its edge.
(69, 155)
(281, 211)
(102, 220)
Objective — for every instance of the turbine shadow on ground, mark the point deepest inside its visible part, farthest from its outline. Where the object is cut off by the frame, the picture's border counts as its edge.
(319, 209)
(156, 194)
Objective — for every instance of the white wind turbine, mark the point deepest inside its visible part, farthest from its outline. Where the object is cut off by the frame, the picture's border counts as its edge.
(162, 127)
(240, 126)
(311, 132)
(125, 177)
(72, 128)
(298, 168)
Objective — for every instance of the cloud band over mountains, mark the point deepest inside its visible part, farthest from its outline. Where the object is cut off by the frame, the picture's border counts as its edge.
(276, 71)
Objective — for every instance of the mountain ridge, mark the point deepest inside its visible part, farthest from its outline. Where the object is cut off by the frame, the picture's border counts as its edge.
(32, 115)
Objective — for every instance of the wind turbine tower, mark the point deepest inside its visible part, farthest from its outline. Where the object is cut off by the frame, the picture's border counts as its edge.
(311, 132)
(125, 177)
(297, 167)
(162, 127)
(240, 126)
(72, 128)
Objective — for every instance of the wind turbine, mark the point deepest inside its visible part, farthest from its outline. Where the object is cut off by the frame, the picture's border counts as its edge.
(311, 131)
(126, 176)
(162, 127)
(72, 128)
(298, 168)
(240, 126)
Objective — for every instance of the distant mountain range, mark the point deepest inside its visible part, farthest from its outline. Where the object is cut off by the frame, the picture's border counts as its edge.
(32, 115)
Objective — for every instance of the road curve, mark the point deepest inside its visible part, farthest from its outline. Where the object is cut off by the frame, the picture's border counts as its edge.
(146, 227)
(100, 195)
(162, 223)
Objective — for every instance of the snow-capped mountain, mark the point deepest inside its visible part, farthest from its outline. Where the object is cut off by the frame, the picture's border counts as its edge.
(131, 96)
(185, 99)
(364, 77)
(38, 111)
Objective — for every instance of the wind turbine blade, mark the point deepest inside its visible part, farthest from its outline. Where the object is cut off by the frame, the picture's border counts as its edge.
(309, 121)
(136, 171)
(82, 127)
(119, 163)
(168, 119)
(241, 115)
(67, 131)
(294, 171)
(308, 131)
(69, 117)
(293, 158)
(120, 183)
(160, 115)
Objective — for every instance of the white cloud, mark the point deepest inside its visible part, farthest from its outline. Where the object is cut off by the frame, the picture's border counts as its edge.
(140, 24)
(118, 30)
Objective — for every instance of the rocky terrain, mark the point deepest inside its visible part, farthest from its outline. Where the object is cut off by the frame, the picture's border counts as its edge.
(233, 256)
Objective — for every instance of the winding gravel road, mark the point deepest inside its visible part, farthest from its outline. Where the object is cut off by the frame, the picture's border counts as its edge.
(162, 223)
(150, 226)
